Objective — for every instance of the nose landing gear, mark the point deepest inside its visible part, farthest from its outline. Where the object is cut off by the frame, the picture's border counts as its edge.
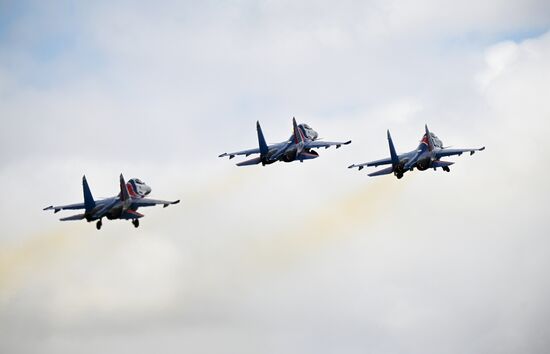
(98, 224)
(135, 222)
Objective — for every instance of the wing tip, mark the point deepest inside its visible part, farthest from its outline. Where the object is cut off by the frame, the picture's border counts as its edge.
(359, 167)
(51, 207)
(171, 203)
(226, 154)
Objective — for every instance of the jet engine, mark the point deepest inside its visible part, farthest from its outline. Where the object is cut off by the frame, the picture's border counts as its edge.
(423, 164)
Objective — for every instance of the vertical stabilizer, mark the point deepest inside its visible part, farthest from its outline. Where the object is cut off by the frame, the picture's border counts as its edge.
(393, 153)
(89, 203)
(124, 194)
(429, 138)
(261, 140)
(298, 134)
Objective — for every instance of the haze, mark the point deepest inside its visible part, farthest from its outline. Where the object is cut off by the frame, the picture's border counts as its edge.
(287, 258)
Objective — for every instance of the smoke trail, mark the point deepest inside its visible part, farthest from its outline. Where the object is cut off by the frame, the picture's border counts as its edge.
(331, 222)
(209, 189)
(39, 252)
(19, 263)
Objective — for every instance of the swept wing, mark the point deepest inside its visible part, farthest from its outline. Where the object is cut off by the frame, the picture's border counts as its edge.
(450, 152)
(244, 152)
(65, 207)
(386, 161)
(325, 144)
(145, 202)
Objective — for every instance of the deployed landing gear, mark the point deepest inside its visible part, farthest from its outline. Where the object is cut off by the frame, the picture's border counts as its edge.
(446, 169)
(135, 222)
(399, 175)
(98, 224)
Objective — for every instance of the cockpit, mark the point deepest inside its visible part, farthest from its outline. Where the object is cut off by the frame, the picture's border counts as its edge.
(309, 133)
(138, 187)
(435, 140)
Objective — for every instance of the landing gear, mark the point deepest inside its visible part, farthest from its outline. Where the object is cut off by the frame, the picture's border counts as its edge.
(446, 169)
(135, 222)
(98, 224)
(399, 175)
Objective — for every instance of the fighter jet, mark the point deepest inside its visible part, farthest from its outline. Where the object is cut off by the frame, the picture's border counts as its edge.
(298, 147)
(123, 206)
(428, 154)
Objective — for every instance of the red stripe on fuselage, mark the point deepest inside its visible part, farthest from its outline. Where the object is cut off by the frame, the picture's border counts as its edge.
(131, 191)
(133, 212)
(425, 140)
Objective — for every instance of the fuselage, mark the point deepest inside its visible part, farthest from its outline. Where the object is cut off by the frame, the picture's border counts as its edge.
(291, 150)
(422, 158)
(113, 207)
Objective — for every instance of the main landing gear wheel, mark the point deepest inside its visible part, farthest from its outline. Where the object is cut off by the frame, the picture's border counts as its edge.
(446, 169)
(98, 224)
(135, 222)
(399, 175)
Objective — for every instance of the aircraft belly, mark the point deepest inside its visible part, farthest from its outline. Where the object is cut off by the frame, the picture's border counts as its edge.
(424, 164)
(114, 213)
(290, 155)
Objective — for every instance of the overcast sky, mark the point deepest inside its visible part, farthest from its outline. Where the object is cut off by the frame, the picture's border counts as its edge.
(287, 258)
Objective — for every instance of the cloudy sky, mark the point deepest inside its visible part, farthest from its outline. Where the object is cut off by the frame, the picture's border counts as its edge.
(288, 258)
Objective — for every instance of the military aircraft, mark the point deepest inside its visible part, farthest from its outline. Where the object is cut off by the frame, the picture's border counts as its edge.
(428, 154)
(298, 147)
(123, 206)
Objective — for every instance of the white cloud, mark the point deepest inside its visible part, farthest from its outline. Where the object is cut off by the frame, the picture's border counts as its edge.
(306, 257)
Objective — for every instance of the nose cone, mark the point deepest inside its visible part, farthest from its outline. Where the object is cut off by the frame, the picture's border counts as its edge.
(147, 189)
(315, 135)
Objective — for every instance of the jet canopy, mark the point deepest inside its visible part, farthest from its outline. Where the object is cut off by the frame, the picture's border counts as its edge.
(308, 131)
(436, 141)
(138, 186)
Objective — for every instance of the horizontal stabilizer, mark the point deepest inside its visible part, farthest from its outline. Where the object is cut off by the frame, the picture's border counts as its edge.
(131, 215)
(385, 171)
(253, 161)
(307, 155)
(74, 217)
(441, 164)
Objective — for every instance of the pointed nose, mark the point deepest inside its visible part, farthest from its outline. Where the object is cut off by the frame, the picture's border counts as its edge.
(313, 134)
(147, 189)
